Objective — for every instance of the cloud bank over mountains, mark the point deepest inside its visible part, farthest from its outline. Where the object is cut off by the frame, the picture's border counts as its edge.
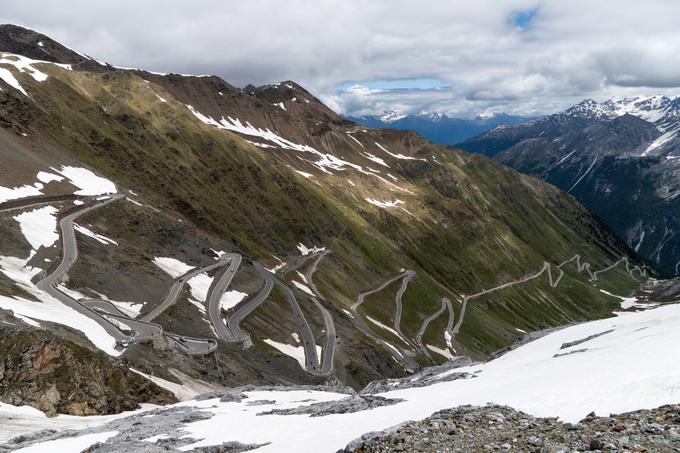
(518, 56)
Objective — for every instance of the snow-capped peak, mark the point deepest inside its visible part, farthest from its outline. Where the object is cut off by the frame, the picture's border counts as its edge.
(649, 108)
(662, 111)
(433, 116)
(588, 108)
(390, 116)
(486, 115)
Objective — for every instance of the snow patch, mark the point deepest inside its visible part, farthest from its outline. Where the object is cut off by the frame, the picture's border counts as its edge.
(442, 352)
(88, 183)
(384, 204)
(13, 193)
(39, 226)
(232, 298)
(98, 237)
(188, 388)
(23, 65)
(296, 352)
(173, 267)
(199, 285)
(65, 444)
(397, 156)
(325, 162)
(304, 250)
(47, 177)
(383, 326)
(129, 308)
(47, 308)
(375, 159)
(306, 175)
(303, 287)
(628, 302)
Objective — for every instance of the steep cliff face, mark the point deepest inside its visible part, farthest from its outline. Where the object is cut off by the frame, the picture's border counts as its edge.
(58, 376)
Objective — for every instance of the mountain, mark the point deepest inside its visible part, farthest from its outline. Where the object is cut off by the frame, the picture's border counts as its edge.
(438, 127)
(201, 235)
(618, 157)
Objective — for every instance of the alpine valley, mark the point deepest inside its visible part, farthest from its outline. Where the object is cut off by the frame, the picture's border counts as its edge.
(190, 266)
(439, 127)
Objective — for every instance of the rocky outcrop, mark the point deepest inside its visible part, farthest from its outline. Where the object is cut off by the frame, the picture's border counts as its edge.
(57, 376)
(496, 428)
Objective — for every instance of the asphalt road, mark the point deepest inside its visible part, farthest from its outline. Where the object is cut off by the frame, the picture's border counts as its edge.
(308, 341)
(192, 346)
(642, 272)
(400, 293)
(216, 291)
(31, 202)
(69, 257)
(178, 285)
(553, 283)
(328, 351)
(427, 321)
(402, 356)
(234, 321)
(141, 330)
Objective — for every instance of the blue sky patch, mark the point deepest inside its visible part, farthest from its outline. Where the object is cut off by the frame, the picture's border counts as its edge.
(523, 19)
(421, 83)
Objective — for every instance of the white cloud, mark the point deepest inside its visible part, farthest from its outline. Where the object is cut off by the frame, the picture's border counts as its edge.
(569, 51)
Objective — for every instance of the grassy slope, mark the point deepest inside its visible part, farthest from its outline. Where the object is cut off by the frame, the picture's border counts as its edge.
(479, 224)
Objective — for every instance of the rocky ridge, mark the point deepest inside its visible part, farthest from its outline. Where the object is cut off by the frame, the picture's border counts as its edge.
(500, 428)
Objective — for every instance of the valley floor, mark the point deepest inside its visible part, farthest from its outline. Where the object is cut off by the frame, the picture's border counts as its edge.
(615, 365)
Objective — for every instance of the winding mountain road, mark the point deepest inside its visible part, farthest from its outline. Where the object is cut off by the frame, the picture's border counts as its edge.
(217, 289)
(328, 351)
(231, 330)
(643, 272)
(234, 321)
(401, 355)
(308, 341)
(141, 330)
(400, 293)
(69, 256)
(178, 285)
(32, 202)
(428, 320)
(117, 323)
(553, 283)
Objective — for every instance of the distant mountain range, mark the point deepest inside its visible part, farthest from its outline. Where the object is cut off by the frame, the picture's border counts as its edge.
(438, 127)
(619, 158)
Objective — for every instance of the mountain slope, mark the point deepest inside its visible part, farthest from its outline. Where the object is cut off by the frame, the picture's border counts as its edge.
(617, 157)
(607, 367)
(213, 184)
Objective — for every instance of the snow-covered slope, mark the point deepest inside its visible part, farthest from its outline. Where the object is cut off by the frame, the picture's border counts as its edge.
(614, 365)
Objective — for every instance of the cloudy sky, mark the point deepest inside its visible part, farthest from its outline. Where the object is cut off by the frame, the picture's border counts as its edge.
(461, 57)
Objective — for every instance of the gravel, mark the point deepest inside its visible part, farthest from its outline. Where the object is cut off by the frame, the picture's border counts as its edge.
(499, 428)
